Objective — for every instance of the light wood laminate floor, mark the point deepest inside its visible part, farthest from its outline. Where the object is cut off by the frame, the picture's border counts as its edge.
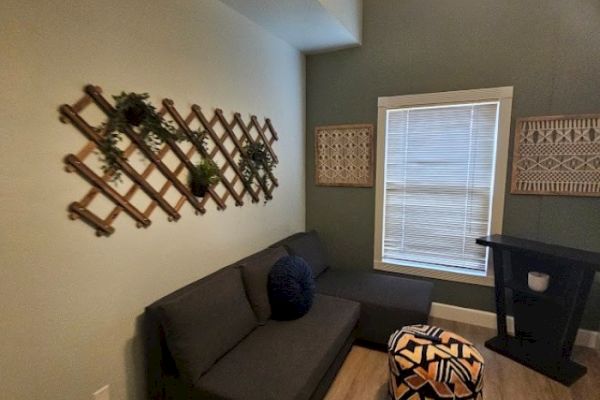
(364, 373)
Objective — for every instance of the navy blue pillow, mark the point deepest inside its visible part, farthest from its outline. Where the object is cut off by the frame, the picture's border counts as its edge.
(291, 288)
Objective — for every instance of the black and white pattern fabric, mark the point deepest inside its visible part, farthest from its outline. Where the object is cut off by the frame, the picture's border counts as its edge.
(427, 362)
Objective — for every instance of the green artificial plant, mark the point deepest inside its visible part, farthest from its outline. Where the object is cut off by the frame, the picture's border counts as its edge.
(133, 113)
(255, 157)
(203, 175)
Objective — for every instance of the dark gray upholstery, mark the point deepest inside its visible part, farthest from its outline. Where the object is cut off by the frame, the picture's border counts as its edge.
(255, 272)
(331, 373)
(387, 302)
(231, 358)
(284, 359)
(283, 241)
(309, 247)
(202, 324)
(162, 378)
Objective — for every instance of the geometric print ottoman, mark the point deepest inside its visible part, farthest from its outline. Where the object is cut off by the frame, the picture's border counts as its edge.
(430, 363)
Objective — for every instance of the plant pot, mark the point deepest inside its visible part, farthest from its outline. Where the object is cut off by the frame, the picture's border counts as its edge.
(135, 114)
(258, 158)
(198, 189)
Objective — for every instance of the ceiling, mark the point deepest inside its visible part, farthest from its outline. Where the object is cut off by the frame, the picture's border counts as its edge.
(308, 25)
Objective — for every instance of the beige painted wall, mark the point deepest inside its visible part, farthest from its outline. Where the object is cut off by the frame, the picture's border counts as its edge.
(70, 302)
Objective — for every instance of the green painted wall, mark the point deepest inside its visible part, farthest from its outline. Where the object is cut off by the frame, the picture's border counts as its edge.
(547, 49)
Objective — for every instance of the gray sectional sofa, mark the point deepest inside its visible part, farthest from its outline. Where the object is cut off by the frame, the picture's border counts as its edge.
(213, 339)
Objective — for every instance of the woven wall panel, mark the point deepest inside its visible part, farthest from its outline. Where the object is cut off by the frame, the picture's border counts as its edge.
(557, 156)
(344, 155)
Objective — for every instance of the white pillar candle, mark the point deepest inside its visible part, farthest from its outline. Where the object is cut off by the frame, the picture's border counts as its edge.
(538, 281)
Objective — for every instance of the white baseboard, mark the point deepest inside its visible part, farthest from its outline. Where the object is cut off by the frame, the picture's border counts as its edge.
(487, 319)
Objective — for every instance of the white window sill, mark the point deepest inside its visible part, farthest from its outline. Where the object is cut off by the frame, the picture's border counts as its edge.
(446, 274)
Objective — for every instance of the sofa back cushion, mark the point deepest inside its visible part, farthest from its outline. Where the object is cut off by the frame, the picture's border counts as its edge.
(310, 248)
(206, 321)
(255, 273)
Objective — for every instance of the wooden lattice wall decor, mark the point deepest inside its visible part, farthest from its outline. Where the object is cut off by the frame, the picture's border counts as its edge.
(224, 145)
(557, 155)
(344, 155)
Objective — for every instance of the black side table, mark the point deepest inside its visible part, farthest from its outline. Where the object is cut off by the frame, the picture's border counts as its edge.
(546, 323)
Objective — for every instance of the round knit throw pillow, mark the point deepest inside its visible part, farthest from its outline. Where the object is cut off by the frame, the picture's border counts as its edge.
(291, 288)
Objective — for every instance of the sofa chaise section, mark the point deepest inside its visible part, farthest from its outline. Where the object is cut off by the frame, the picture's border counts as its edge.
(387, 302)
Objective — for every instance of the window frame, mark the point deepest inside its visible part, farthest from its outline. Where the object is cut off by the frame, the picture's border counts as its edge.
(502, 95)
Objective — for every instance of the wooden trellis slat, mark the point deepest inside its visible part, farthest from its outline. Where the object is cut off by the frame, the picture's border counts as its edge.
(78, 211)
(106, 189)
(133, 189)
(237, 149)
(248, 134)
(108, 175)
(269, 149)
(261, 133)
(209, 128)
(272, 130)
(238, 144)
(198, 145)
(248, 138)
(127, 169)
(221, 147)
(143, 147)
(178, 170)
(101, 184)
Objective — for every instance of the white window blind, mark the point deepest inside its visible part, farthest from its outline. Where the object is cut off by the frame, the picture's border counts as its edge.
(439, 172)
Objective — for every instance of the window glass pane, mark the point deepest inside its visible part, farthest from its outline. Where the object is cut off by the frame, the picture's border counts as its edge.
(438, 184)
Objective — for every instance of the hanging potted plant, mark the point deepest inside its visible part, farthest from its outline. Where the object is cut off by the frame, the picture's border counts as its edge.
(133, 112)
(255, 157)
(202, 176)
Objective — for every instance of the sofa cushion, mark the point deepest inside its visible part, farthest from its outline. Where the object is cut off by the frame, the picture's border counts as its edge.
(255, 272)
(205, 322)
(283, 241)
(291, 288)
(309, 247)
(283, 359)
(387, 302)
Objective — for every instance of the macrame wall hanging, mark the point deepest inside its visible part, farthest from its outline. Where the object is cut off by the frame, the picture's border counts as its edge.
(557, 155)
(155, 170)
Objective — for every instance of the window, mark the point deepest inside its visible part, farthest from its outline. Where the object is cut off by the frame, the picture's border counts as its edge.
(441, 180)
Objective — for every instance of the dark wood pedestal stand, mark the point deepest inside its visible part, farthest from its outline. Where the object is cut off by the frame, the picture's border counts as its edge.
(546, 323)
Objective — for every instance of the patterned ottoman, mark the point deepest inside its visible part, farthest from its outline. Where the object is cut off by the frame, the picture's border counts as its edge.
(430, 363)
